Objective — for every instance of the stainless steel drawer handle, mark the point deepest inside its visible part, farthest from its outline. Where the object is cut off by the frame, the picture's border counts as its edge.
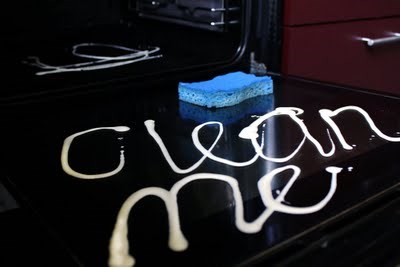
(395, 37)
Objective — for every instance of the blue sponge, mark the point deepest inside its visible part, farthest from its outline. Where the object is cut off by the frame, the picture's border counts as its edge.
(225, 90)
(227, 115)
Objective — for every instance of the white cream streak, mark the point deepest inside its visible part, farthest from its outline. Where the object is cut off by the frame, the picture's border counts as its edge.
(151, 130)
(326, 115)
(208, 154)
(195, 138)
(251, 132)
(119, 244)
(100, 62)
(150, 126)
(65, 151)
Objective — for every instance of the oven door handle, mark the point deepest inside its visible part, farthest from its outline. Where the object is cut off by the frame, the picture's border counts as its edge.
(381, 41)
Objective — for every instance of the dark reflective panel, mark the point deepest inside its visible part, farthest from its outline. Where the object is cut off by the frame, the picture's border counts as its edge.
(219, 223)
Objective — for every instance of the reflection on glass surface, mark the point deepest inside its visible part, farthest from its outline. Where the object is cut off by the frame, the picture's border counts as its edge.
(31, 156)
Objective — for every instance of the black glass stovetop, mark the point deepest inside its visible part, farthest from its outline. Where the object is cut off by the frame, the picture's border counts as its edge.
(81, 213)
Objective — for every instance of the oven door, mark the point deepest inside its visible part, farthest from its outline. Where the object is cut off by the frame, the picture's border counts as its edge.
(50, 48)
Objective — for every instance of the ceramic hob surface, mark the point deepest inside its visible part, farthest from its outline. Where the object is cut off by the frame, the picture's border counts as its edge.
(190, 177)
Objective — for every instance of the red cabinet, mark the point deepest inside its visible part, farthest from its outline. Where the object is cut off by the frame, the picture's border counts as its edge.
(300, 12)
(338, 52)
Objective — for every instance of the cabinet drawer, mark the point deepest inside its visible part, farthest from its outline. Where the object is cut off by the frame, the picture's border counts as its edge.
(316, 11)
(334, 53)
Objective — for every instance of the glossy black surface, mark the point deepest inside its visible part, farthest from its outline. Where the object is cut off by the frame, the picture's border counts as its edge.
(82, 213)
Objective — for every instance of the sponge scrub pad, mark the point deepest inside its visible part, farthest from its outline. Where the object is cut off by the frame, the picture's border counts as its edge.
(225, 90)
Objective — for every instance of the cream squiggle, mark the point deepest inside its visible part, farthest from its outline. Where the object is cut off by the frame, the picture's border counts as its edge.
(210, 155)
(278, 206)
(251, 132)
(119, 244)
(150, 126)
(327, 114)
(65, 150)
(246, 133)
